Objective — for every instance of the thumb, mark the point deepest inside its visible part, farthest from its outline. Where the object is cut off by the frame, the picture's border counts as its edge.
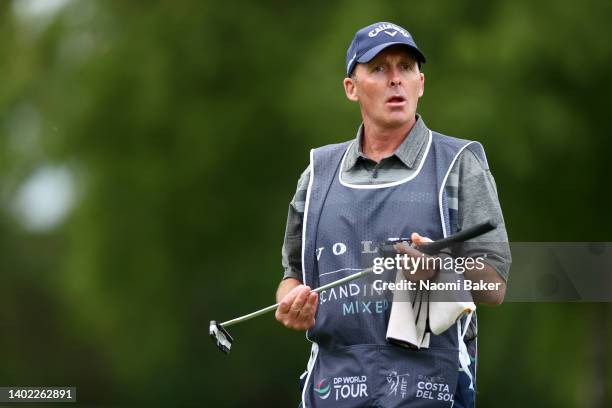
(418, 239)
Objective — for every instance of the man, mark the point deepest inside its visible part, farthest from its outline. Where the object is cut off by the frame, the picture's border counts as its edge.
(396, 178)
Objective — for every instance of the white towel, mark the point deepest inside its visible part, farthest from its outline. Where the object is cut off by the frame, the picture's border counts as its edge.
(411, 310)
(402, 328)
(446, 307)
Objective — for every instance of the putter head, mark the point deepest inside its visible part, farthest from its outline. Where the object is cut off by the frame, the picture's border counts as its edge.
(220, 336)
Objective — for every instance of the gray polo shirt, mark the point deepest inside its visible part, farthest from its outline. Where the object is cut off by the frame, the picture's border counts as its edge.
(470, 188)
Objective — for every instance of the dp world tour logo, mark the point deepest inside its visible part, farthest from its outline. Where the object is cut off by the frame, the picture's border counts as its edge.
(323, 388)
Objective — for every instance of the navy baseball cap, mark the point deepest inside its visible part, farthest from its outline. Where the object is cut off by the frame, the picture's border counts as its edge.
(371, 40)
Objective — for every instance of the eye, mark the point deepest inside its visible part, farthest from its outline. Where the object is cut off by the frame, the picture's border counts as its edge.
(378, 68)
(406, 67)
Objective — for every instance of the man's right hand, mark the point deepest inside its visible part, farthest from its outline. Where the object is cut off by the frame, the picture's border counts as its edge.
(297, 308)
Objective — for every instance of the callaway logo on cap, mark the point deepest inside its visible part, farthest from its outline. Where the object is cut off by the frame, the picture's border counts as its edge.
(371, 40)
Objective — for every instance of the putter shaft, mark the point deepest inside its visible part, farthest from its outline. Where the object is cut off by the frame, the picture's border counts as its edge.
(273, 307)
(223, 340)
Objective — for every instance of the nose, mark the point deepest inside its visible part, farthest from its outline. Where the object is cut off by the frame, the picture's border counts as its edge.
(395, 78)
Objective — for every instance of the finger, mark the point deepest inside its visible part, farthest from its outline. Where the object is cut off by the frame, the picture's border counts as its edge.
(315, 301)
(305, 324)
(309, 319)
(309, 307)
(418, 239)
(314, 298)
(299, 301)
(404, 248)
(286, 302)
(283, 307)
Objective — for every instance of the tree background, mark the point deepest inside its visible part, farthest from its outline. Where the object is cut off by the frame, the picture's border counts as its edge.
(175, 132)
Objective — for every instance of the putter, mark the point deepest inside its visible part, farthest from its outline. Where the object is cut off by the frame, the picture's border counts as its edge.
(224, 340)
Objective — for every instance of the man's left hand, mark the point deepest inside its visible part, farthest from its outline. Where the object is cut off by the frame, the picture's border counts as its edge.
(426, 270)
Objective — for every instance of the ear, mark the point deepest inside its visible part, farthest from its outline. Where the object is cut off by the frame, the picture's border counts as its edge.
(421, 84)
(350, 89)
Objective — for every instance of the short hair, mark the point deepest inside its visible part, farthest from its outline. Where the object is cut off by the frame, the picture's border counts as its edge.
(411, 52)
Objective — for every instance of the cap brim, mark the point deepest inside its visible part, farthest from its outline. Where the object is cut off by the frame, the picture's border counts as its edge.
(367, 57)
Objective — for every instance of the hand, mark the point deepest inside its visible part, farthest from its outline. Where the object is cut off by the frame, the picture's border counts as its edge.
(297, 308)
(426, 269)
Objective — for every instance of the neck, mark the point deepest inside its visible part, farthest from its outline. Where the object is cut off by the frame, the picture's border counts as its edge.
(380, 142)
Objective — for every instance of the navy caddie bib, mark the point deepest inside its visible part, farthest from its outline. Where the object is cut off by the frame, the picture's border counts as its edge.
(352, 364)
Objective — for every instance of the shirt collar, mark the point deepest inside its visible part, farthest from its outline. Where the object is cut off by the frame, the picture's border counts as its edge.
(407, 151)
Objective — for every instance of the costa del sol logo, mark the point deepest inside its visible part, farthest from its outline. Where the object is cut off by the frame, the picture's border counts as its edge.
(323, 388)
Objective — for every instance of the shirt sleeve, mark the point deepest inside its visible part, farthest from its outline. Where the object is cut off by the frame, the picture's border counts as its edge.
(477, 201)
(292, 244)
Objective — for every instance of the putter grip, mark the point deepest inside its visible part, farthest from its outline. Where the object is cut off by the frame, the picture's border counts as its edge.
(460, 236)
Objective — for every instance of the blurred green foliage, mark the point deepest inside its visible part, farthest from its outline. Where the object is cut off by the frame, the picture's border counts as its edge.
(185, 126)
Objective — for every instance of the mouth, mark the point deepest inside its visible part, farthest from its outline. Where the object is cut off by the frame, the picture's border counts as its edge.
(396, 100)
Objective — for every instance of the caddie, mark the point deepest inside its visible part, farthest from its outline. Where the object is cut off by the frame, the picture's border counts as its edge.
(396, 178)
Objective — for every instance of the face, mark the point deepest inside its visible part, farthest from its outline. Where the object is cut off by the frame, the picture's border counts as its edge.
(387, 88)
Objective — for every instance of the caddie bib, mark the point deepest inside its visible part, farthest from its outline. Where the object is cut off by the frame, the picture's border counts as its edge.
(352, 364)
